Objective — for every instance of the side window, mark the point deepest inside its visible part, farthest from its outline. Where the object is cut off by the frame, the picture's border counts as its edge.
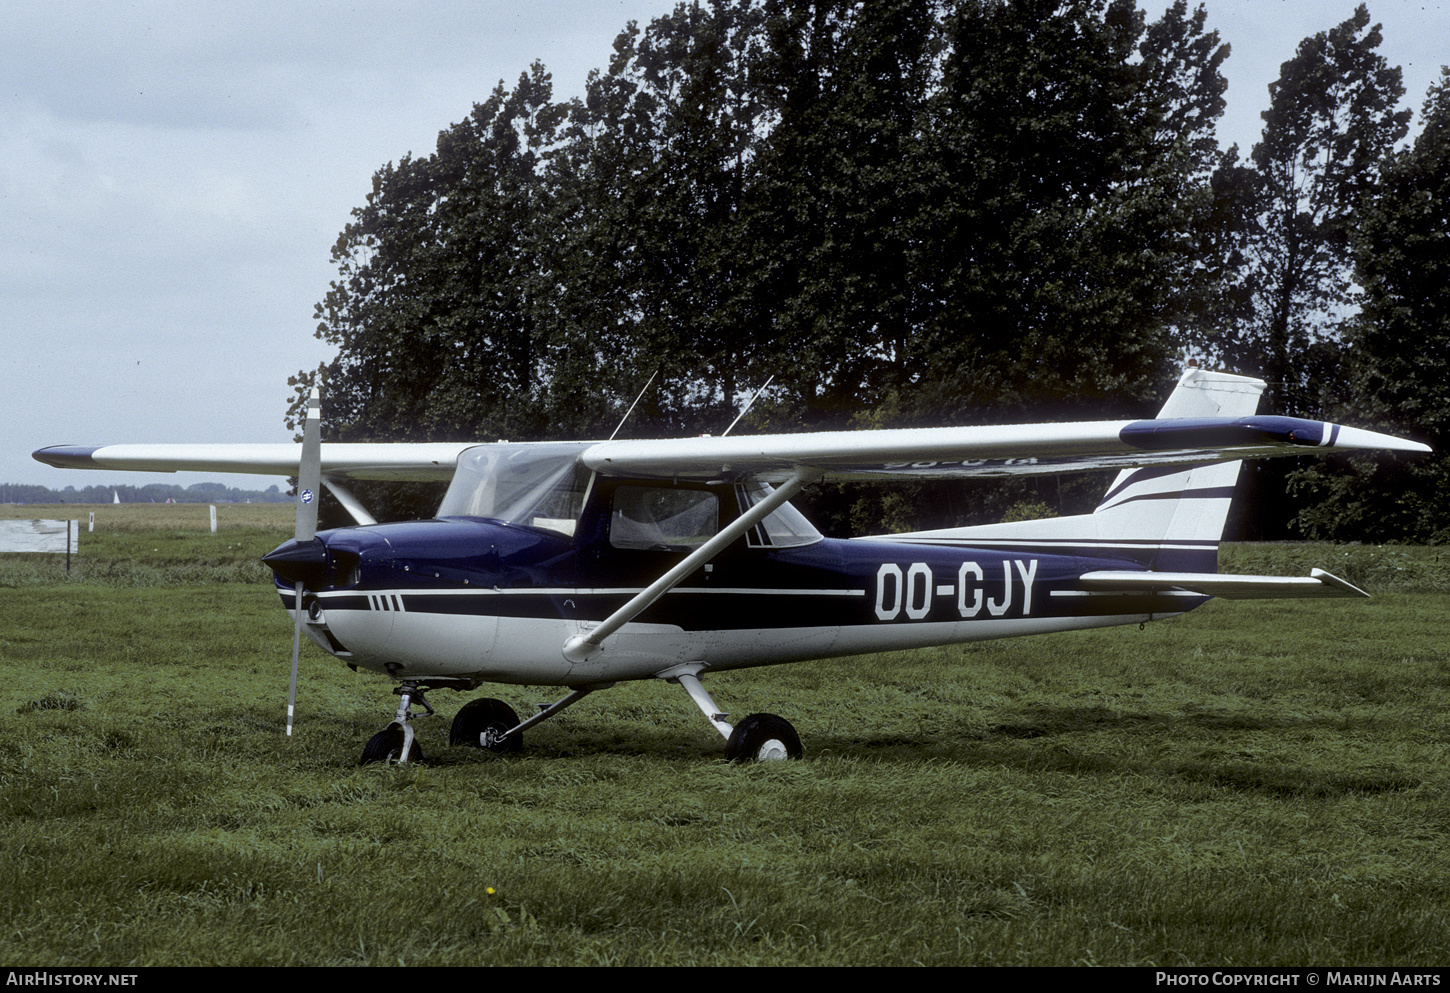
(663, 519)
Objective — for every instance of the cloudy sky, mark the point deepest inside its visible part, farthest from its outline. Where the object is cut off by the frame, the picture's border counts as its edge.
(173, 176)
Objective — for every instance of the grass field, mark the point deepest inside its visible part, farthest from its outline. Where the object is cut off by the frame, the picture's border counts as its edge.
(1253, 784)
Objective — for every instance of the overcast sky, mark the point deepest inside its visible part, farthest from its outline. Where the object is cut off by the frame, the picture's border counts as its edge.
(173, 176)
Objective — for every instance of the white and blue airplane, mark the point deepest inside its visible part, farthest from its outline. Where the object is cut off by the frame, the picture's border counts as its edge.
(583, 564)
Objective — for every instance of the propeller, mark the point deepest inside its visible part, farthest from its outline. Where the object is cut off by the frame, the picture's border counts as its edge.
(309, 483)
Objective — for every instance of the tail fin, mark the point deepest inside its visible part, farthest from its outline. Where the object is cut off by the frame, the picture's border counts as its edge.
(1183, 511)
(1158, 517)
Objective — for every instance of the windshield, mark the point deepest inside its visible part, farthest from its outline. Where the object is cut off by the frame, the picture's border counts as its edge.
(785, 527)
(539, 484)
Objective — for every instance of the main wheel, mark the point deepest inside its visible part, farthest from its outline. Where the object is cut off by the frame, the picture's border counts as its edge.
(762, 738)
(481, 723)
(387, 746)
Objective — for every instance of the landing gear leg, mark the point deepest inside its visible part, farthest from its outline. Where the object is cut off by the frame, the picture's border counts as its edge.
(757, 738)
(395, 743)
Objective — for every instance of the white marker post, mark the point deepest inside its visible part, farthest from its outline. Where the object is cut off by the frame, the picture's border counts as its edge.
(213, 520)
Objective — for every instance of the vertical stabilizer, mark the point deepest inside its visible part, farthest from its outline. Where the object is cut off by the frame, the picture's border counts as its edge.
(1182, 510)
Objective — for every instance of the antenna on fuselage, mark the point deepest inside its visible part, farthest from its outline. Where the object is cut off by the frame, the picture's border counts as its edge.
(749, 403)
(635, 404)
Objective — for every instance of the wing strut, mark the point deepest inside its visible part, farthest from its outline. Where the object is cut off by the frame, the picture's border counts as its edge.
(583, 647)
(349, 502)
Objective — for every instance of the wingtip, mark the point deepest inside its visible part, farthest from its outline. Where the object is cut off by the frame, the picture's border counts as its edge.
(1348, 437)
(1345, 587)
(67, 456)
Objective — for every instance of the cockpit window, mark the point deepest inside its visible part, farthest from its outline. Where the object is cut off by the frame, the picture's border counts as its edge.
(663, 519)
(542, 485)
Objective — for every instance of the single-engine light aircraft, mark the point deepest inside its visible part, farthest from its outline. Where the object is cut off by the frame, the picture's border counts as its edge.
(582, 564)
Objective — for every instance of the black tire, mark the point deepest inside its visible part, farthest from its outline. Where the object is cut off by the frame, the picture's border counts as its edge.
(761, 738)
(480, 716)
(387, 746)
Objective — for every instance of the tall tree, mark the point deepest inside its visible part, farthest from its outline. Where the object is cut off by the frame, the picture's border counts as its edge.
(434, 312)
(837, 196)
(659, 151)
(1332, 119)
(1071, 142)
(1039, 172)
(907, 212)
(1402, 250)
(1400, 353)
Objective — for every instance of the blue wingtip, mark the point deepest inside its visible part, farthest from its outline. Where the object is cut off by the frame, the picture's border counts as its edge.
(1214, 433)
(67, 456)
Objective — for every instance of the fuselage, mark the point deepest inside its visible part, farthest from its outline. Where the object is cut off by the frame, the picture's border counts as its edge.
(495, 601)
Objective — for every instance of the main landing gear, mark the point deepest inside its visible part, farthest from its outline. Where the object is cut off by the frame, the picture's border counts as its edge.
(486, 724)
(493, 726)
(763, 738)
(758, 738)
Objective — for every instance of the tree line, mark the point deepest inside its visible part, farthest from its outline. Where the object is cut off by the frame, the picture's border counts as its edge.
(910, 213)
(150, 493)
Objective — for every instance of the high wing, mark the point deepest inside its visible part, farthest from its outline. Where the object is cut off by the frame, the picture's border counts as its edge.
(1190, 429)
(921, 453)
(410, 461)
(1209, 417)
(1023, 449)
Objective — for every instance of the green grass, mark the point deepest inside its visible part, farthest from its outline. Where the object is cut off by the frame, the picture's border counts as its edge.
(193, 517)
(1253, 784)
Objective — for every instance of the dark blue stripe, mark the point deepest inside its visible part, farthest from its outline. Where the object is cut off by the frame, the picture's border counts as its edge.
(1216, 434)
(1207, 493)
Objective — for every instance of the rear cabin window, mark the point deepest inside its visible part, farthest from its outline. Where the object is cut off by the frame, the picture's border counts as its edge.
(663, 519)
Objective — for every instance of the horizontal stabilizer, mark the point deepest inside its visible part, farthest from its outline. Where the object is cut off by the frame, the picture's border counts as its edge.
(1317, 584)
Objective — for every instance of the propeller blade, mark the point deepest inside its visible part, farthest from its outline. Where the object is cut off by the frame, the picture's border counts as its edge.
(309, 482)
(309, 474)
(296, 650)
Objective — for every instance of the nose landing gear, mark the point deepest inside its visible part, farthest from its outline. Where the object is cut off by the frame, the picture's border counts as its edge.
(395, 743)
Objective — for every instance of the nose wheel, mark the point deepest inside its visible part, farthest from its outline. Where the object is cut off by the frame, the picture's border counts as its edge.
(391, 744)
(395, 743)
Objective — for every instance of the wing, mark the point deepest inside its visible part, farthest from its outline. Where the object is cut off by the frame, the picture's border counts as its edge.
(1023, 449)
(421, 462)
